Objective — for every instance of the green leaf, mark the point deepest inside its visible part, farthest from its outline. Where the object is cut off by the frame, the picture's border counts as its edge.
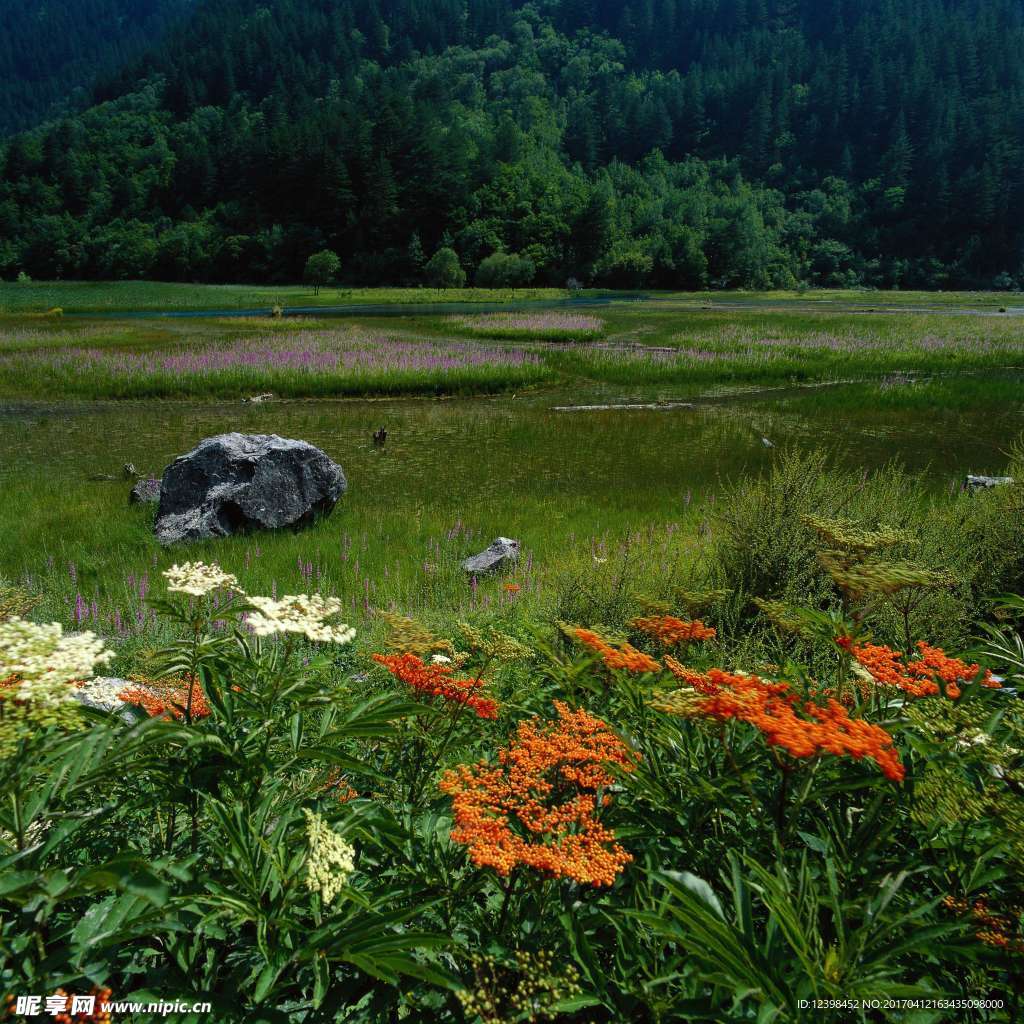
(265, 982)
(16, 881)
(698, 887)
(816, 843)
(321, 979)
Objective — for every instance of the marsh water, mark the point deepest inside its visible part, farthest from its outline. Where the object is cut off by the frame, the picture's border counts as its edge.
(537, 446)
(584, 302)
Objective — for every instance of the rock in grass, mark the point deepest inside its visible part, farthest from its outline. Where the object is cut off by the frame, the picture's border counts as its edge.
(145, 492)
(982, 483)
(101, 694)
(503, 552)
(235, 483)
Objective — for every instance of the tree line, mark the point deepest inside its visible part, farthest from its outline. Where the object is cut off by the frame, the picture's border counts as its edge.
(658, 143)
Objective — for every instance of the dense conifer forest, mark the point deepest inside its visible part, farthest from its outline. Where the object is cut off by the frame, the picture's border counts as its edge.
(646, 143)
(52, 53)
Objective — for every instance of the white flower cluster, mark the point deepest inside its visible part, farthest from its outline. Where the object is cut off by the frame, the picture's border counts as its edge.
(331, 858)
(307, 614)
(199, 579)
(41, 656)
(972, 738)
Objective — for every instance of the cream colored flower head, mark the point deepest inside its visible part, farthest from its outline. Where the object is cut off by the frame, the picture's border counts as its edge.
(307, 614)
(41, 656)
(331, 858)
(199, 579)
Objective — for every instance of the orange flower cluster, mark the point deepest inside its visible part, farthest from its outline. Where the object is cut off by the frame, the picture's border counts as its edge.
(920, 676)
(775, 711)
(337, 785)
(994, 930)
(512, 588)
(438, 681)
(670, 631)
(168, 699)
(625, 656)
(538, 808)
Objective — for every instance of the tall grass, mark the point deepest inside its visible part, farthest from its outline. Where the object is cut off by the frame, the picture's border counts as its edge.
(864, 298)
(630, 345)
(530, 326)
(92, 564)
(296, 364)
(763, 549)
(731, 354)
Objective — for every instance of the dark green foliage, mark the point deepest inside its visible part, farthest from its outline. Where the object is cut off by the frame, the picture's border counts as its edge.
(682, 144)
(51, 53)
(767, 551)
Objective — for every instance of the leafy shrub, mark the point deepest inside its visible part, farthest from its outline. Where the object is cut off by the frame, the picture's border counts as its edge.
(765, 548)
(505, 270)
(444, 270)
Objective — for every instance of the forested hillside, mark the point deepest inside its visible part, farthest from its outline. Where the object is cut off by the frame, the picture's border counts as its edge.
(51, 53)
(667, 143)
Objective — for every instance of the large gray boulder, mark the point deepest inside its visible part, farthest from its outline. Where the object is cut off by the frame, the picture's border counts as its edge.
(501, 553)
(235, 483)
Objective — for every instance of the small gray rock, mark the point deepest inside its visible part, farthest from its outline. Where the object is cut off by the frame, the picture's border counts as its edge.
(235, 483)
(145, 492)
(101, 695)
(982, 483)
(501, 553)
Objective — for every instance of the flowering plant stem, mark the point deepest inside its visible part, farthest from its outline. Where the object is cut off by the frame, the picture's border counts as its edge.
(506, 902)
(756, 803)
(421, 774)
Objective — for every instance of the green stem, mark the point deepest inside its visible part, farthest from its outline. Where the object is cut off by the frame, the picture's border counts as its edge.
(456, 717)
(756, 803)
(505, 904)
(780, 810)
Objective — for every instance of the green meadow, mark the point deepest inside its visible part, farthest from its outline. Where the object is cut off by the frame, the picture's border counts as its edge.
(480, 442)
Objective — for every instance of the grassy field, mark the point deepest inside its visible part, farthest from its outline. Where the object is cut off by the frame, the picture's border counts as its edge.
(80, 544)
(150, 296)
